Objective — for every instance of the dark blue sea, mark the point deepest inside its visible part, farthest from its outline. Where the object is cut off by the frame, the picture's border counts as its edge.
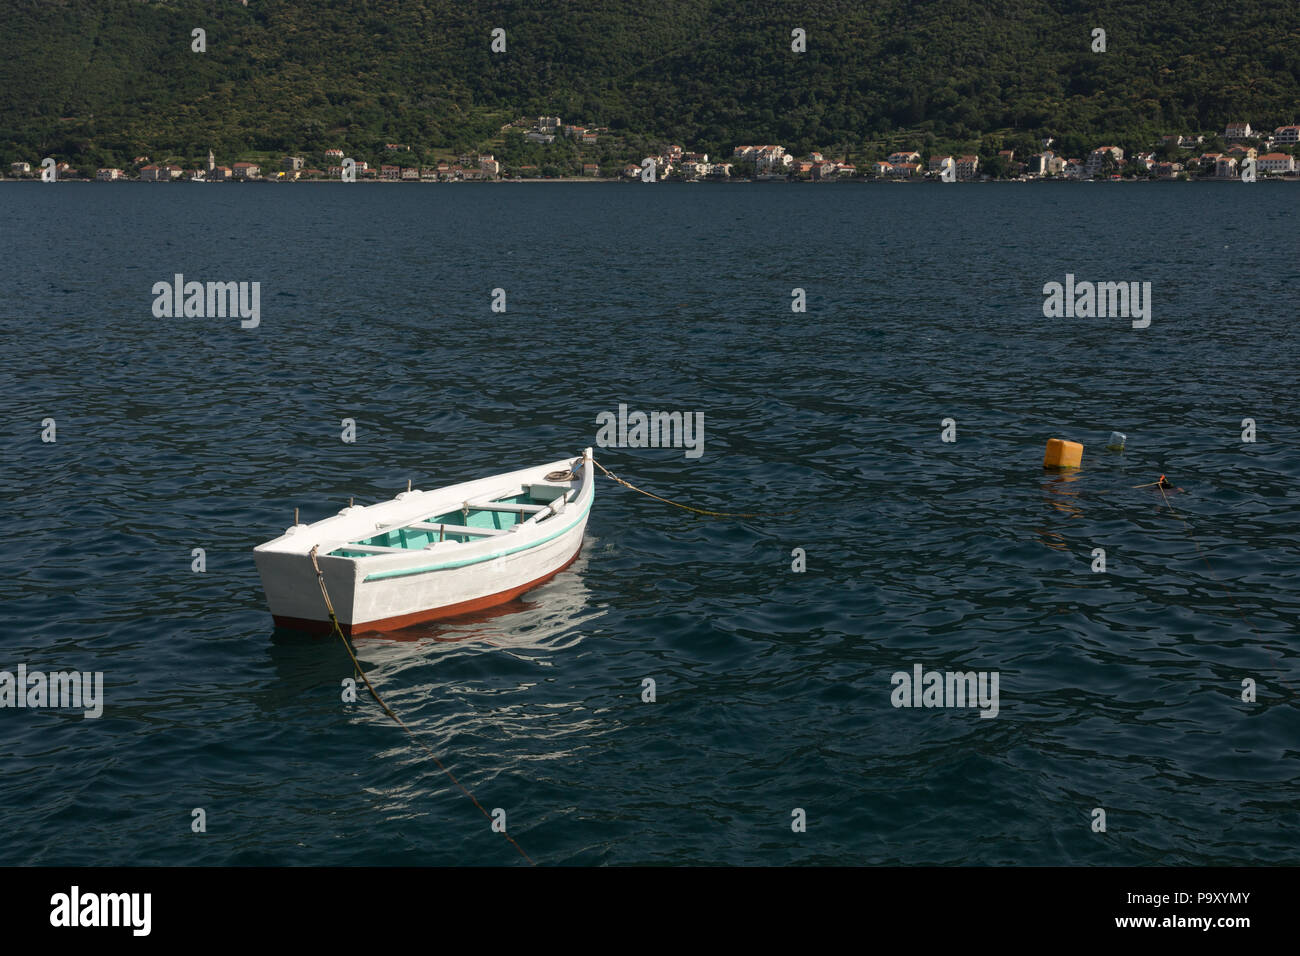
(1119, 691)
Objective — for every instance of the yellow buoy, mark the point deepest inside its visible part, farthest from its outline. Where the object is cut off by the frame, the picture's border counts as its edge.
(1062, 454)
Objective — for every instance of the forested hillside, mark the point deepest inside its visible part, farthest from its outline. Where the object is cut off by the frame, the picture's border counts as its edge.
(98, 81)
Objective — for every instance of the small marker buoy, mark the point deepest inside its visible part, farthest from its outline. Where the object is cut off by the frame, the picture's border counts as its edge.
(295, 516)
(408, 484)
(1062, 454)
(350, 500)
(1116, 442)
(1162, 484)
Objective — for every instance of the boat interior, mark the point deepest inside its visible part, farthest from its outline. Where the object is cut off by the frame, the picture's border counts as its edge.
(475, 520)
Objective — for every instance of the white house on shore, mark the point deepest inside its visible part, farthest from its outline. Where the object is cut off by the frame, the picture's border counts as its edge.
(766, 159)
(1097, 159)
(1276, 163)
(1046, 163)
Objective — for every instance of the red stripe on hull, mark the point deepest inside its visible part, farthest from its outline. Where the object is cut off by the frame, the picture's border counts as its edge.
(419, 617)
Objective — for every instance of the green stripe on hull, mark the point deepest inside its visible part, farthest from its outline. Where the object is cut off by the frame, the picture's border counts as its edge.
(403, 572)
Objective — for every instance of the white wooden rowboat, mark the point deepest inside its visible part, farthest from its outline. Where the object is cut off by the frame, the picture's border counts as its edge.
(430, 554)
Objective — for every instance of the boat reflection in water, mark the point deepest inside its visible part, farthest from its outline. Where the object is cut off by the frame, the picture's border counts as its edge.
(550, 617)
(492, 694)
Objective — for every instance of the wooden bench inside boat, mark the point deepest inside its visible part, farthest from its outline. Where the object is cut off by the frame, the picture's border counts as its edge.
(477, 519)
(446, 530)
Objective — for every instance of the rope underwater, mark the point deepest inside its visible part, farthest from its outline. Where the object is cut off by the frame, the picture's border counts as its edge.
(334, 623)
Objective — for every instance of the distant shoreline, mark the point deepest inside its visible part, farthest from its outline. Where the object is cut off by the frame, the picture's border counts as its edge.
(1293, 178)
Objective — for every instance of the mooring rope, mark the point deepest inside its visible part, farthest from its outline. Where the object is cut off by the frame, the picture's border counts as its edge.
(334, 623)
(1160, 485)
(698, 511)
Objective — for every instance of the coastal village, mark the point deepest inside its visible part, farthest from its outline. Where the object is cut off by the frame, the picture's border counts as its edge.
(1212, 156)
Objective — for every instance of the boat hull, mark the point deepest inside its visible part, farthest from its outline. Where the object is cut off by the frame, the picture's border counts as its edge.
(398, 587)
(399, 621)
